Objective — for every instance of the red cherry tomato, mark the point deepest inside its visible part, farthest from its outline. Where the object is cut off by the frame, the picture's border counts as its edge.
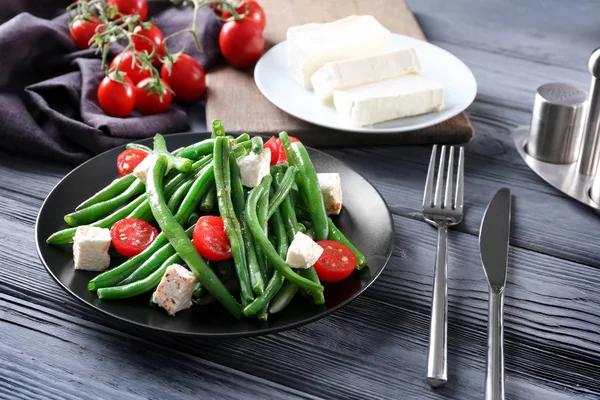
(128, 160)
(131, 236)
(155, 38)
(241, 42)
(255, 13)
(187, 78)
(132, 71)
(210, 238)
(336, 263)
(278, 155)
(148, 102)
(129, 7)
(81, 31)
(116, 99)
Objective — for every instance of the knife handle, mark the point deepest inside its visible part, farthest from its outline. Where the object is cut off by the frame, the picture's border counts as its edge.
(494, 380)
(438, 348)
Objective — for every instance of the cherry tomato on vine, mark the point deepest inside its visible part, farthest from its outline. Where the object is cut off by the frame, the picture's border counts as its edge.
(336, 263)
(128, 160)
(133, 71)
(255, 13)
(187, 78)
(81, 31)
(130, 7)
(241, 42)
(131, 236)
(148, 101)
(210, 239)
(116, 99)
(155, 38)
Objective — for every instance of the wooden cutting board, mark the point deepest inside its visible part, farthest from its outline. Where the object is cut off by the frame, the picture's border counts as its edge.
(233, 97)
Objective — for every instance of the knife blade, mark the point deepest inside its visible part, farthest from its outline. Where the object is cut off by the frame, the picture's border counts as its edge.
(494, 237)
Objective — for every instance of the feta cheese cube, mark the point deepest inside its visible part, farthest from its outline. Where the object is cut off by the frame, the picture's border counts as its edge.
(303, 252)
(331, 188)
(393, 98)
(352, 72)
(254, 167)
(143, 169)
(174, 292)
(90, 248)
(310, 46)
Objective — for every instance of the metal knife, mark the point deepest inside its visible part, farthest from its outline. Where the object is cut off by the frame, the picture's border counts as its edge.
(493, 245)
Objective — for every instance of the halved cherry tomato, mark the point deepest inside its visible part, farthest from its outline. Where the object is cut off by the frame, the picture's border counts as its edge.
(336, 263)
(148, 102)
(128, 160)
(278, 155)
(131, 236)
(132, 71)
(116, 99)
(241, 42)
(255, 13)
(154, 38)
(81, 31)
(129, 7)
(210, 238)
(187, 78)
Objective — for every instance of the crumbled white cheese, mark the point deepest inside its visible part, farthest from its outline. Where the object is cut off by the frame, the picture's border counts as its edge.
(331, 188)
(90, 248)
(303, 252)
(174, 292)
(312, 45)
(143, 169)
(254, 167)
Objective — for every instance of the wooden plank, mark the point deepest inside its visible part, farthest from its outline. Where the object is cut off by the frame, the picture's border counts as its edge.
(231, 90)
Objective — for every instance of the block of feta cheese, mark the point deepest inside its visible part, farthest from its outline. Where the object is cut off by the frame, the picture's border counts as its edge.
(393, 98)
(254, 167)
(312, 45)
(352, 72)
(174, 292)
(303, 252)
(331, 188)
(143, 169)
(90, 248)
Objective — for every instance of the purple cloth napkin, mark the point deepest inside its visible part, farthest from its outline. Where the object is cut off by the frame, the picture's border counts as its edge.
(48, 105)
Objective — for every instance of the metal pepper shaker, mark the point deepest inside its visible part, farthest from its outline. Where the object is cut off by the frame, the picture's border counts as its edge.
(588, 153)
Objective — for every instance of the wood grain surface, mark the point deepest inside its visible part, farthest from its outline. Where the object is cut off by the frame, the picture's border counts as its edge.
(232, 95)
(54, 347)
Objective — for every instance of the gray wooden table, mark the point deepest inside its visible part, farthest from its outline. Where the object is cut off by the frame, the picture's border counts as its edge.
(52, 346)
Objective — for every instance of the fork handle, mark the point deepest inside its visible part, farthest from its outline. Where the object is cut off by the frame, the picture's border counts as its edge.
(438, 348)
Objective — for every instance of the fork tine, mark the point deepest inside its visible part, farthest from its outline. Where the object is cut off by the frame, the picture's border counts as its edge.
(458, 202)
(449, 179)
(429, 182)
(440, 179)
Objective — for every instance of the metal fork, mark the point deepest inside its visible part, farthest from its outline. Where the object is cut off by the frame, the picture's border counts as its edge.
(441, 215)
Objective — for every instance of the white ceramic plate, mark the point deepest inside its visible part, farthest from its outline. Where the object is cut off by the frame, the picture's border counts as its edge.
(275, 83)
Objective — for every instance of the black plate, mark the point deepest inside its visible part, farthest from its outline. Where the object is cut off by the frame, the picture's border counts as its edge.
(365, 219)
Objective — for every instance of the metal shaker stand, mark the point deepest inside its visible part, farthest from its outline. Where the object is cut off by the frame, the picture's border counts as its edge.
(562, 144)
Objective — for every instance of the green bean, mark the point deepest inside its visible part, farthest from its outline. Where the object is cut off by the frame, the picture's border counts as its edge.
(182, 244)
(298, 156)
(336, 235)
(137, 146)
(283, 189)
(115, 188)
(153, 262)
(264, 223)
(208, 200)
(198, 149)
(202, 184)
(100, 210)
(308, 232)
(263, 241)
(257, 275)
(232, 225)
(193, 218)
(138, 287)
(300, 227)
(66, 235)
(217, 129)
(257, 145)
(197, 292)
(178, 195)
(284, 297)
(242, 138)
(237, 189)
(179, 163)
